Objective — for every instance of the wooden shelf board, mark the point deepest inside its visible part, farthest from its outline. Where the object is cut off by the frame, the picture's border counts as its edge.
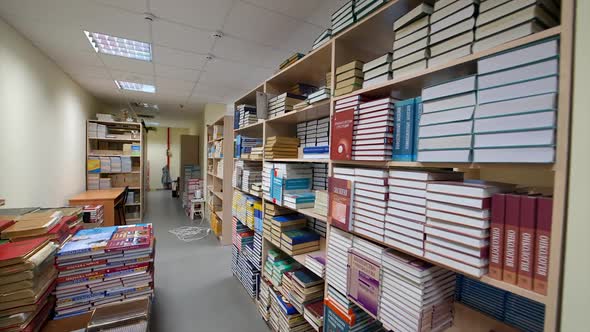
(219, 194)
(416, 164)
(312, 112)
(219, 214)
(250, 127)
(298, 160)
(250, 97)
(115, 139)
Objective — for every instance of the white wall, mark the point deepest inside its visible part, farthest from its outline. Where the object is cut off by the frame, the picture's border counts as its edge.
(156, 154)
(42, 126)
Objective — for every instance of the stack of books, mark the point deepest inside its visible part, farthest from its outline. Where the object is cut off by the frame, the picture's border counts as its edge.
(458, 223)
(406, 209)
(306, 288)
(516, 115)
(27, 280)
(247, 173)
(343, 17)
(316, 263)
(256, 153)
(279, 147)
(349, 78)
(290, 178)
(451, 30)
(104, 265)
(299, 241)
(267, 170)
(93, 181)
(377, 71)
(406, 119)
(320, 176)
(410, 47)
(320, 205)
(415, 295)
(283, 103)
(246, 267)
(301, 105)
(291, 60)
(339, 242)
(56, 225)
(372, 130)
(303, 200)
(501, 22)
(104, 183)
(314, 314)
(329, 80)
(321, 94)
(322, 39)
(302, 89)
(277, 263)
(314, 133)
(363, 8)
(116, 165)
(286, 317)
(264, 299)
(283, 223)
(446, 123)
(367, 249)
(105, 164)
(349, 103)
(370, 197)
(239, 209)
(352, 318)
(93, 215)
(318, 226)
(317, 152)
(244, 146)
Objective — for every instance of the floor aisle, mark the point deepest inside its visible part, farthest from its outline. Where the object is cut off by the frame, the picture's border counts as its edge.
(195, 288)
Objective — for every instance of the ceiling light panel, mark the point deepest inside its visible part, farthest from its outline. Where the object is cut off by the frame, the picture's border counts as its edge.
(119, 46)
(132, 86)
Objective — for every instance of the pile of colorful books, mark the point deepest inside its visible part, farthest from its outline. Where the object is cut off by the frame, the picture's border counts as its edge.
(104, 265)
(93, 216)
(306, 288)
(349, 77)
(57, 225)
(299, 241)
(281, 147)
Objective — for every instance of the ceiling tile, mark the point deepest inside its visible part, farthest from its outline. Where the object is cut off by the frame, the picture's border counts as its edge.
(139, 6)
(173, 85)
(76, 70)
(248, 52)
(79, 58)
(300, 9)
(178, 58)
(176, 72)
(128, 65)
(181, 37)
(321, 15)
(132, 77)
(206, 14)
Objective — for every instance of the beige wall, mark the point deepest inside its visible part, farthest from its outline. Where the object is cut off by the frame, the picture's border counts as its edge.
(576, 288)
(156, 154)
(42, 126)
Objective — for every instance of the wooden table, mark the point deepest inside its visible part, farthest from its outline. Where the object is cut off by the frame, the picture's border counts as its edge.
(109, 198)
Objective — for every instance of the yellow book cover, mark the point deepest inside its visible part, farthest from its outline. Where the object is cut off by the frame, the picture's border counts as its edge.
(93, 165)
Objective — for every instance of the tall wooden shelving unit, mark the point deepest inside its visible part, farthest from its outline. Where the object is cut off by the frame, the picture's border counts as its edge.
(113, 147)
(372, 37)
(219, 192)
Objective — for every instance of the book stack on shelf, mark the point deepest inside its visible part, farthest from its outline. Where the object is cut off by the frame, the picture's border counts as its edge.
(244, 146)
(407, 119)
(353, 319)
(323, 38)
(516, 114)
(315, 141)
(415, 295)
(322, 94)
(313, 313)
(267, 171)
(320, 176)
(373, 125)
(406, 208)
(245, 207)
(277, 263)
(306, 288)
(363, 8)
(217, 132)
(283, 103)
(303, 200)
(367, 249)
(104, 265)
(246, 174)
(96, 130)
(320, 205)
(27, 282)
(283, 223)
(317, 225)
(264, 299)
(339, 242)
(316, 263)
(245, 116)
(343, 17)
(410, 47)
(378, 70)
(291, 178)
(280, 147)
(291, 60)
(215, 150)
(501, 22)
(244, 266)
(302, 89)
(349, 78)
(93, 215)
(271, 211)
(284, 316)
(299, 241)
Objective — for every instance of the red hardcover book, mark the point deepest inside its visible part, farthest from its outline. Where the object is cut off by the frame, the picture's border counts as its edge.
(128, 243)
(4, 224)
(18, 252)
(528, 219)
(70, 220)
(512, 222)
(341, 144)
(81, 265)
(340, 193)
(542, 244)
(497, 236)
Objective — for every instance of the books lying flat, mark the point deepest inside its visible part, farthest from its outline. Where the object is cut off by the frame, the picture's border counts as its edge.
(507, 35)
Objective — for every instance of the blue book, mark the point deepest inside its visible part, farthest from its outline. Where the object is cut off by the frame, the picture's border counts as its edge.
(403, 122)
(307, 279)
(289, 218)
(316, 149)
(416, 132)
(276, 188)
(285, 305)
(88, 240)
(298, 236)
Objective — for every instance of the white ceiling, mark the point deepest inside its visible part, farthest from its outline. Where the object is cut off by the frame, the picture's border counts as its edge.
(258, 35)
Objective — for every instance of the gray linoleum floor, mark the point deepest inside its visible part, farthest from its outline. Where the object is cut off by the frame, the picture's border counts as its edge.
(195, 288)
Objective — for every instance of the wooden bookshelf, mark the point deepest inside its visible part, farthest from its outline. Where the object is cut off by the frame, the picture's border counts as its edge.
(136, 180)
(218, 191)
(372, 37)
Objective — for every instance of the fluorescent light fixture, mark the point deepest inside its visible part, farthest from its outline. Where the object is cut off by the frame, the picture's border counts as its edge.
(119, 46)
(132, 86)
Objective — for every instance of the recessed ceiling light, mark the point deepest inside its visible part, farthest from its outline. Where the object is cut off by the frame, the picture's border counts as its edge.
(132, 86)
(119, 46)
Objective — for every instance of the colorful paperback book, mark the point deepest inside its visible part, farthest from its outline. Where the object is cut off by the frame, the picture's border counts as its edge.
(340, 195)
(342, 135)
(307, 279)
(404, 129)
(298, 236)
(88, 240)
(363, 282)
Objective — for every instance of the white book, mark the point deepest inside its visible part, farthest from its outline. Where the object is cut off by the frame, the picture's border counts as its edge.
(370, 194)
(476, 203)
(404, 222)
(374, 188)
(519, 57)
(472, 212)
(468, 269)
(377, 237)
(452, 32)
(378, 119)
(515, 155)
(372, 136)
(484, 6)
(458, 228)
(450, 56)
(417, 217)
(531, 13)
(378, 62)
(377, 71)
(454, 237)
(407, 192)
(451, 9)
(513, 6)
(408, 199)
(408, 183)
(413, 15)
(457, 219)
(447, 129)
(518, 90)
(410, 69)
(519, 122)
(403, 238)
(473, 261)
(515, 139)
(378, 80)
(462, 39)
(460, 156)
(402, 246)
(375, 173)
(519, 74)
(447, 142)
(452, 19)
(412, 28)
(358, 217)
(368, 141)
(409, 59)
(407, 40)
(450, 102)
(375, 202)
(419, 175)
(454, 87)
(373, 126)
(505, 36)
(475, 252)
(515, 106)
(408, 207)
(416, 46)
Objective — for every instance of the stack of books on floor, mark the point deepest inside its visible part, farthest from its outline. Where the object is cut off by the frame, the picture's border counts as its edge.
(339, 242)
(27, 279)
(349, 78)
(363, 8)
(246, 115)
(279, 147)
(306, 288)
(299, 241)
(377, 71)
(303, 200)
(316, 263)
(104, 265)
(501, 22)
(516, 116)
(291, 60)
(451, 31)
(343, 17)
(415, 295)
(322, 39)
(410, 47)
(320, 205)
(446, 123)
(321, 94)
(372, 130)
(457, 223)
(283, 103)
(370, 197)
(247, 271)
(320, 176)
(406, 209)
(313, 313)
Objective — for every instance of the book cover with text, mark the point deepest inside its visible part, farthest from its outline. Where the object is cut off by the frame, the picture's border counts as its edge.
(342, 133)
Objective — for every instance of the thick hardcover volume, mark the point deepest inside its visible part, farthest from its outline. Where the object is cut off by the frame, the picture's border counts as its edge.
(528, 219)
(342, 133)
(542, 244)
(512, 222)
(340, 203)
(497, 236)
(404, 128)
(416, 126)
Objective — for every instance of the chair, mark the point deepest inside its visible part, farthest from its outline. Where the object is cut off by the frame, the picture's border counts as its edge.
(121, 208)
(197, 206)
